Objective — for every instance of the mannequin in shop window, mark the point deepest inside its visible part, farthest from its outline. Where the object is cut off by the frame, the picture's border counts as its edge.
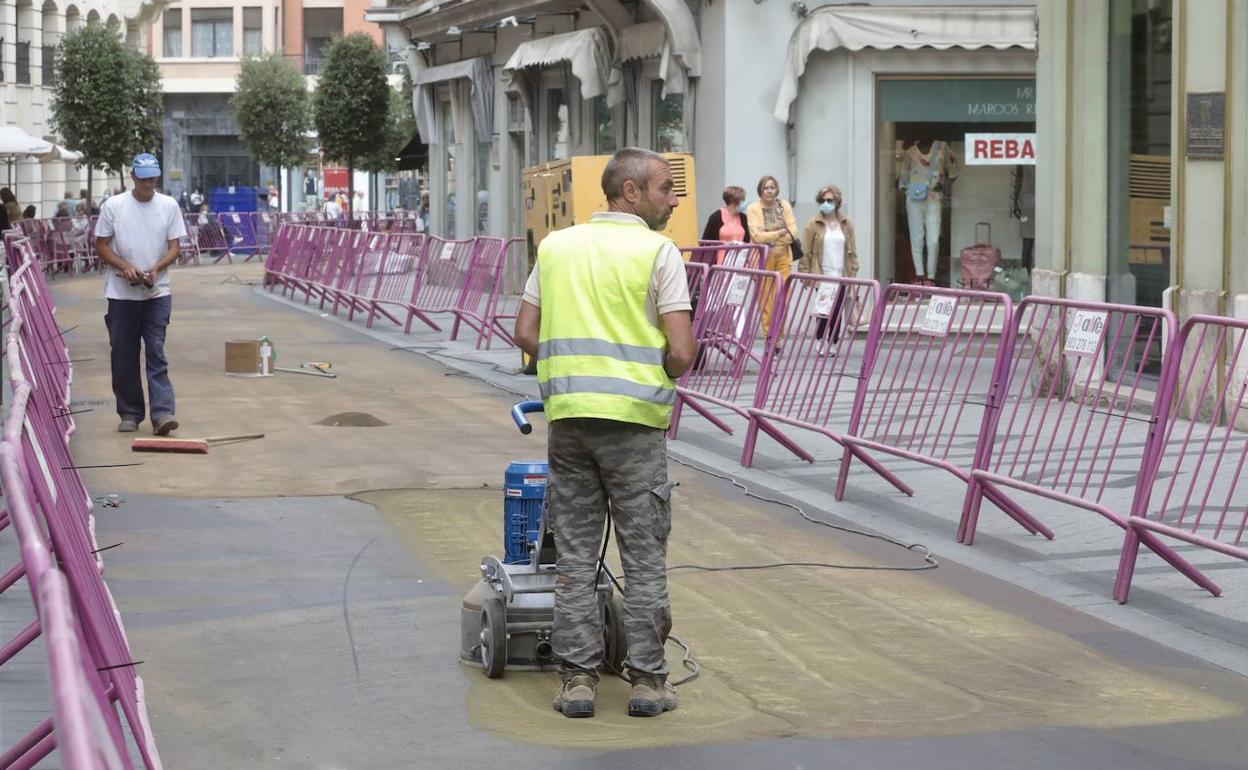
(928, 168)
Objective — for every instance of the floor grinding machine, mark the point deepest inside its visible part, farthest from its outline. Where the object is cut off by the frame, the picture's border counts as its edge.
(507, 617)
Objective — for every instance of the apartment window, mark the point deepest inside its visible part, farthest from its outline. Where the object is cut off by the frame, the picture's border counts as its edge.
(23, 61)
(604, 127)
(1, 60)
(253, 41)
(48, 54)
(557, 137)
(212, 32)
(669, 121)
(171, 23)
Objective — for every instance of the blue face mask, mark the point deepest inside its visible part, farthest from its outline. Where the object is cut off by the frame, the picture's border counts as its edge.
(826, 208)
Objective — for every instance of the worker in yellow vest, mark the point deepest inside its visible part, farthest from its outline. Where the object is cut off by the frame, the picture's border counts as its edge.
(606, 314)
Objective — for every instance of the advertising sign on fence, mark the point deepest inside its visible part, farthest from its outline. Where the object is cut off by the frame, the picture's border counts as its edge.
(1085, 332)
(939, 315)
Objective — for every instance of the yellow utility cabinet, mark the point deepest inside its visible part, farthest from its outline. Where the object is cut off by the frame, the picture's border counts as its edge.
(567, 192)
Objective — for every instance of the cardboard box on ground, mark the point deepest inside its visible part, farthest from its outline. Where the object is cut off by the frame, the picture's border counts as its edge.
(250, 358)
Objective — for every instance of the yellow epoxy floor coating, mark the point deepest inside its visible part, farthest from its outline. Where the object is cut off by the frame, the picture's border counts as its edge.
(805, 652)
(785, 652)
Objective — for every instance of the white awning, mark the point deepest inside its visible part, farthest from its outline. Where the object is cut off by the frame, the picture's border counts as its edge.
(586, 50)
(476, 71)
(642, 41)
(16, 143)
(856, 28)
(59, 153)
(639, 42)
(682, 33)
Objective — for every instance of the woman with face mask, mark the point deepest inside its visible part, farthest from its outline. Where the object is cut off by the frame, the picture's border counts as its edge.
(771, 222)
(828, 248)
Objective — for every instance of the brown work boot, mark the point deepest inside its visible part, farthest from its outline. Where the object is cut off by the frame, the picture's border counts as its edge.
(651, 696)
(575, 698)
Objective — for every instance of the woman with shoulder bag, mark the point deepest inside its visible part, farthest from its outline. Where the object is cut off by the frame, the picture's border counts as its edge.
(829, 248)
(771, 222)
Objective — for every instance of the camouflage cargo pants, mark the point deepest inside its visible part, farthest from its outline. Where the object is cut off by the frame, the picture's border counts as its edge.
(591, 462)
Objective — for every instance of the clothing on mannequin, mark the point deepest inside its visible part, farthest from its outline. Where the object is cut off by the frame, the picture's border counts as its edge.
(1023, 208)
(927, 168)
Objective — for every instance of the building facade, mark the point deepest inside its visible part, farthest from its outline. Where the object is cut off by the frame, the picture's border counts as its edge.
(1143, 197)
(1093, 143)
(813, 94)
(199, 46)
(29, 33)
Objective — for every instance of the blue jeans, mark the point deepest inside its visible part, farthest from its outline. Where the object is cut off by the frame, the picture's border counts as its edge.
(131, 322)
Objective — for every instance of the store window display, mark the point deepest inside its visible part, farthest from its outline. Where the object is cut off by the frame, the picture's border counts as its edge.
(928, 168)
(956, 180)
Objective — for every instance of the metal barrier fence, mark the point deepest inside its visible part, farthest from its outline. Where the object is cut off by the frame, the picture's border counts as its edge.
(67, 244)
(931, 383)
(1068, 407)
(399, 276)
(89, 661)
(728, 328)
(815, 383)
(1190, 481)
(752, 256)
(477, 304)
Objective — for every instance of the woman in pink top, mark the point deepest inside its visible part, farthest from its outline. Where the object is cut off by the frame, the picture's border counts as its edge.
(728, 223)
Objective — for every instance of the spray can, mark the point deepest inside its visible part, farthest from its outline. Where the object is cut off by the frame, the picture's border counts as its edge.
(268, 357)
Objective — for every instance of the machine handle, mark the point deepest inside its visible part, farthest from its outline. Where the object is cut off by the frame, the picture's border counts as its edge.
(523, 408)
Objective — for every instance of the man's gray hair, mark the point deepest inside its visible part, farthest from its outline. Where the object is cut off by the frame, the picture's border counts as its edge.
(629, 163)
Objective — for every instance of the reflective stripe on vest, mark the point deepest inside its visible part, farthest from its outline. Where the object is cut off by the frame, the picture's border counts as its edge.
(599, 355)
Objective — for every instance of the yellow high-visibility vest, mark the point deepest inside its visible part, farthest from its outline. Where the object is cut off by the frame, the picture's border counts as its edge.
(598, 353)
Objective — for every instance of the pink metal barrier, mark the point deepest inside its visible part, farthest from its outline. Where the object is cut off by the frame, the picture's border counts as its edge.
(240, 233)
(728, 328)
(90, 663)
(382, 272)
(695, 274)
(1068, 409)
(446, 266)
(279, 252)
(830, 330)
(359, 259)
(84, 724)
(206, 238)
(1190, 486)
(477, 305)
(306, 259)
(932, 379)
(752, 256)
(395, 278)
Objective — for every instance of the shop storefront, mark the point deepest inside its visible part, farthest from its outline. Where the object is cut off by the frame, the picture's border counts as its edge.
(957, 181)
(947, 99)
(493, 98)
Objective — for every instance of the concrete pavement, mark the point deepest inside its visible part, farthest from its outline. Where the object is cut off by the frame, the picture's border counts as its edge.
(296, 598)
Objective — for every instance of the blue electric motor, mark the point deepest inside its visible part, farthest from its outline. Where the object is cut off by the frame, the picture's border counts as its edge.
(524, 491)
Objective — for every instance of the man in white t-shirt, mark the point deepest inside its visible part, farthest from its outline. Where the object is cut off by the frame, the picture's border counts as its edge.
(137, 237)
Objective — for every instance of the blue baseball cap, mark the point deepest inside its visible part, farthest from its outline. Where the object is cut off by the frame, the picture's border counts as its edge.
(145, 166)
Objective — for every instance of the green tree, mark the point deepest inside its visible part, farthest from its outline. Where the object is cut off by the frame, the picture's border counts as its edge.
(351, 103)
(400, 125)
(107, 103)
(271, 110)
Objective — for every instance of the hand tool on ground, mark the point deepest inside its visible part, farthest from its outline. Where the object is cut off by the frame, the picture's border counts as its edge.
(507, 618)
(314, 372)
(188, 445)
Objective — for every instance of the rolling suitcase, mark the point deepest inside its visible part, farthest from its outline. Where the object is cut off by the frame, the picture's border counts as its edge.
(978, 262)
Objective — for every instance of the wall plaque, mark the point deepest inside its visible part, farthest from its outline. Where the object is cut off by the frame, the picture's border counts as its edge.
(1206, 125)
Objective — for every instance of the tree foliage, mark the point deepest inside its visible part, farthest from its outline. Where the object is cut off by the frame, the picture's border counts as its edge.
(271, 109)
(352, 101)
(107, 103)
(400, 126)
